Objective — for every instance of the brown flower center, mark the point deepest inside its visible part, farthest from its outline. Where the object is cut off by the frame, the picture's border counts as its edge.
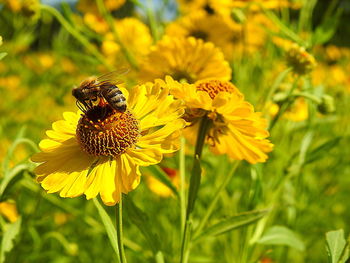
(213, 87)
(107, 132)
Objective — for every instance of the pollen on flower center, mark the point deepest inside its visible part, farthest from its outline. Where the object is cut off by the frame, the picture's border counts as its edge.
(107, 132)
(213, 87)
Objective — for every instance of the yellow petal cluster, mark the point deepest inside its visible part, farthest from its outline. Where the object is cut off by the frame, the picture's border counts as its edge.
(66, 168)
(185, 59)
(237, 130)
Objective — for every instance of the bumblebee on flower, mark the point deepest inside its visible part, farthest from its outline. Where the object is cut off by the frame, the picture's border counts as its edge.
(100, 151)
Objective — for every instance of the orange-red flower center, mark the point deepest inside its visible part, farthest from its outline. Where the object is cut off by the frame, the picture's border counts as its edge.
(213, 87)
(107, 132)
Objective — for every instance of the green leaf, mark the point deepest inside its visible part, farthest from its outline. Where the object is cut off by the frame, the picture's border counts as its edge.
(11, 176)
(195, 182)
(110, 228)
(232, 223)
(162, 177)
(7, 242)
(142, 222)
(2, 55)
(326, 30)
(321, 150)
(337, 247)
(282, 236)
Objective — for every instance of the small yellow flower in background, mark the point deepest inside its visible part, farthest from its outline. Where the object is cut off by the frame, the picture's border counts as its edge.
(210, 6)
(100, 151)
(236, 129)
(60, 218)
(298, 111)
(158, 187)
(9, 211)
(90, 6)
(96, 23)
(184, 59)
(269, 4)
(200, 24)
(210, 28)
(300, 60)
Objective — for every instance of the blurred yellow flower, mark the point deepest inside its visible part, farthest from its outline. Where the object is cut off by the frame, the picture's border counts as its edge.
(90, 6)
(9, 211)
(300, 60)
(236, 129)
(210, 28)
(127, 29)
(185, 59)
(298, 111)
(96, 23)
(100, 151)
(158, 187)
(210, 6)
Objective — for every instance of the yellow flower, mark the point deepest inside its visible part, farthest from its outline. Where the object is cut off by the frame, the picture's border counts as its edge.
(212, 28)
(236, 129)
(300, 60)
(298, 111)
(185, 59)
(269, 4)
(158, 187)
(96, 23)
(100, 151)
(9, 211)
(127, 29)
(90, 6)
(222, 7)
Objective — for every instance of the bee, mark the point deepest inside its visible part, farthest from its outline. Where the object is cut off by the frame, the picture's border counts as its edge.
(103, 87)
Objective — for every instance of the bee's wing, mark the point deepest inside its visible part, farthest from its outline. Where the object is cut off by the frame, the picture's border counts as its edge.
(112, 77)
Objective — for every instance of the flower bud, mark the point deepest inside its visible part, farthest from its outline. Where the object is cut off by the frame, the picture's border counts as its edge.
(300, 60)
(326, 105)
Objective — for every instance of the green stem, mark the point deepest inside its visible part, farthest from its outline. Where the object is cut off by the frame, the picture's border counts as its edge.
(91, 48)
(275, 86)
(213, 202)
(130, 58)
(182, 166)
(193, 188)
(119, 227)
(285, 105)
(152, 20)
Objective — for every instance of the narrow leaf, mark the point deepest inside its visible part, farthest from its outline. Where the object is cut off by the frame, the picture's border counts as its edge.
(7, 242)
(232, 223)
(110, 228)
(195, 182)
(10, 176)
(142, 222)
(162, 177)
(283, 236)
(321, 150)
(336, 246)
(326, 30)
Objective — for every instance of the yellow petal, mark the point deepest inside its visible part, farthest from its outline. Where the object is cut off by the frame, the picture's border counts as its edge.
(145, 157)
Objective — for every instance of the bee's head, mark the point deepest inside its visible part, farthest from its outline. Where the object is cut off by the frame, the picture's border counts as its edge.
(78, 93)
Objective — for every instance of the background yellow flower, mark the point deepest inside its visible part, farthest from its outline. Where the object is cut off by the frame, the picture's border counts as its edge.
(185, 59)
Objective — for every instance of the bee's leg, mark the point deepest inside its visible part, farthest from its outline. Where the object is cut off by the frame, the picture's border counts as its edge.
(80, 106)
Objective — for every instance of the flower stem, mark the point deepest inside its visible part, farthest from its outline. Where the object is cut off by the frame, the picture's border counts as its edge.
(193, 188)
(119, 228)
(215, 199)
(285, 105)
(182, 184)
